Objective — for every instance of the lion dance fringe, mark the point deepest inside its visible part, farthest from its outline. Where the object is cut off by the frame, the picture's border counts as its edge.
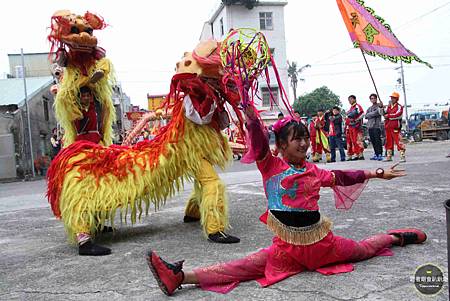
(89, 183)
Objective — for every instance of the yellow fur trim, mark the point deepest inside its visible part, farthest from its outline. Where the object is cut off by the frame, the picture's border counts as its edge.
(193, 204)
(67, 107)
(84, 203)
(209, 194)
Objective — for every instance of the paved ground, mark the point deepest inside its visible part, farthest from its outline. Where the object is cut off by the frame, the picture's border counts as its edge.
(37, 263)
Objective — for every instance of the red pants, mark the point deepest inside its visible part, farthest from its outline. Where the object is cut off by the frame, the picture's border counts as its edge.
(355, 144)
(282, 260)
(316, 147)
(393, 136)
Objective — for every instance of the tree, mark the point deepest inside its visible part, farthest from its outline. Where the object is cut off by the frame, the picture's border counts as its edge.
(320, 98)
(293, 73)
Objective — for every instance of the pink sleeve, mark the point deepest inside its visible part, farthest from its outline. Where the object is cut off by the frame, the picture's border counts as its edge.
(326, 177)
(270, 165)
(258, 144)
(347, 187)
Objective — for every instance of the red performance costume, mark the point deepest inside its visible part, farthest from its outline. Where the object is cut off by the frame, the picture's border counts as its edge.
(353, 124)
(303, 237)
(89, 126)
(392, 123)
(312, 135)
(320, 139)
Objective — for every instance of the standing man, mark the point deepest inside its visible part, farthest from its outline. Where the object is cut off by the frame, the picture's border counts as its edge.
(393, 123)
(335, 134)
(373, 116)
(354, 123)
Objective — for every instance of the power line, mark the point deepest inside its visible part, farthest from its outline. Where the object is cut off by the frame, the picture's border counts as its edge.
(365, 70)
(374, 61)
(422, 16)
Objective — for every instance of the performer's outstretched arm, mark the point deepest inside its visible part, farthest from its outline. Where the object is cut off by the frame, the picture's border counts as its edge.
(259, 144)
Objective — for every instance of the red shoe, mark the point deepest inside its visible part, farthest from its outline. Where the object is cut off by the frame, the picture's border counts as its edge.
(169, 276)
(409, 236)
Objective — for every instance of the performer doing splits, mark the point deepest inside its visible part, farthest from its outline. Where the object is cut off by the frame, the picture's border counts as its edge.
(303, 237)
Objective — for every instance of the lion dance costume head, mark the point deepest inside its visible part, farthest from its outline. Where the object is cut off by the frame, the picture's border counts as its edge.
(75, 48)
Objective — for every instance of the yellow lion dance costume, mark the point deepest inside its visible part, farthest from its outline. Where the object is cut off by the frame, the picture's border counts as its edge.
(89, 183)
(85, 66)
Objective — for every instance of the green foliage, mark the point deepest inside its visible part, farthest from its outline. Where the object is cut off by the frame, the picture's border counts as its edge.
(293, 73)
(322, 97)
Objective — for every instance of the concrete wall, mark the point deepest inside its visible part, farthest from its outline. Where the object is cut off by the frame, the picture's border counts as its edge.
(6, 120)
(122, 104)
(216, 24)
(41, 129)
(7, 157)
(206, 32)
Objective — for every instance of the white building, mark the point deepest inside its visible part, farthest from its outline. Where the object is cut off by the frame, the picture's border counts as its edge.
(264, 16)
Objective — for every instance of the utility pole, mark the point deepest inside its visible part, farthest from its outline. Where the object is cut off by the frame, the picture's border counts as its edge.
(121, 111)
(28, 112)
(404, 93)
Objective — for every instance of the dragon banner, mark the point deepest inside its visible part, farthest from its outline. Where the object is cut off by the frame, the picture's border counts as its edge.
(370, 33)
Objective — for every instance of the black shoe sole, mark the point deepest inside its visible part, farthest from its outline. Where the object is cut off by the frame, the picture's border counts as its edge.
(107, 229)
(90, 252)
(190, 219)
(156, 275)
(224, 240)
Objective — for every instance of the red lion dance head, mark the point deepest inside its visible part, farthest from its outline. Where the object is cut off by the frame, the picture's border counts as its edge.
(72, 37)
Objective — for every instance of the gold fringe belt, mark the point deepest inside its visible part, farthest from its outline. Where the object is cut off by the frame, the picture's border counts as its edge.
(302, 236)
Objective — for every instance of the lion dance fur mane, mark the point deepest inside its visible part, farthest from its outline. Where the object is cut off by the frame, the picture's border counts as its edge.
(88, 184)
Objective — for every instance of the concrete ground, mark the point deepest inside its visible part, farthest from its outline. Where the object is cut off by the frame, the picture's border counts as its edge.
(37, 263)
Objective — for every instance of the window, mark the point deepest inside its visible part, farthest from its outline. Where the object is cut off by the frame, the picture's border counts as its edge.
(221, 26)
(45, 103)
(265, 21)
(266, 96)
(43, 144)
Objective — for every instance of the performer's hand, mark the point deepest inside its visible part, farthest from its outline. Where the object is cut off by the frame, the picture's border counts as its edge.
(393, 173)
(275, 152)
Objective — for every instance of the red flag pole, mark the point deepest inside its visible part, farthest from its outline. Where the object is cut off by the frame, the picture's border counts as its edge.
(373, 81)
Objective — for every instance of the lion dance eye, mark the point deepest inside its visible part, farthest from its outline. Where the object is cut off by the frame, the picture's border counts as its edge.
(74, 29)
(89, 30)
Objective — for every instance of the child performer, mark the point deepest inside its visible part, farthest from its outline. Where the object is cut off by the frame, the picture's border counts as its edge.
(303, 237)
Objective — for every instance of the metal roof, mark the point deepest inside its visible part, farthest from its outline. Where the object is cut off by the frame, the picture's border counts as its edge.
(12, 90)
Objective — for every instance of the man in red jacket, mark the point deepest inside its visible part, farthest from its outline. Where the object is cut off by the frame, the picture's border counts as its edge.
(393, 123)
(355, 115)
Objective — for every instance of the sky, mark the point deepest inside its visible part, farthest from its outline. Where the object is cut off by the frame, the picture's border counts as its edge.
(146, 38)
